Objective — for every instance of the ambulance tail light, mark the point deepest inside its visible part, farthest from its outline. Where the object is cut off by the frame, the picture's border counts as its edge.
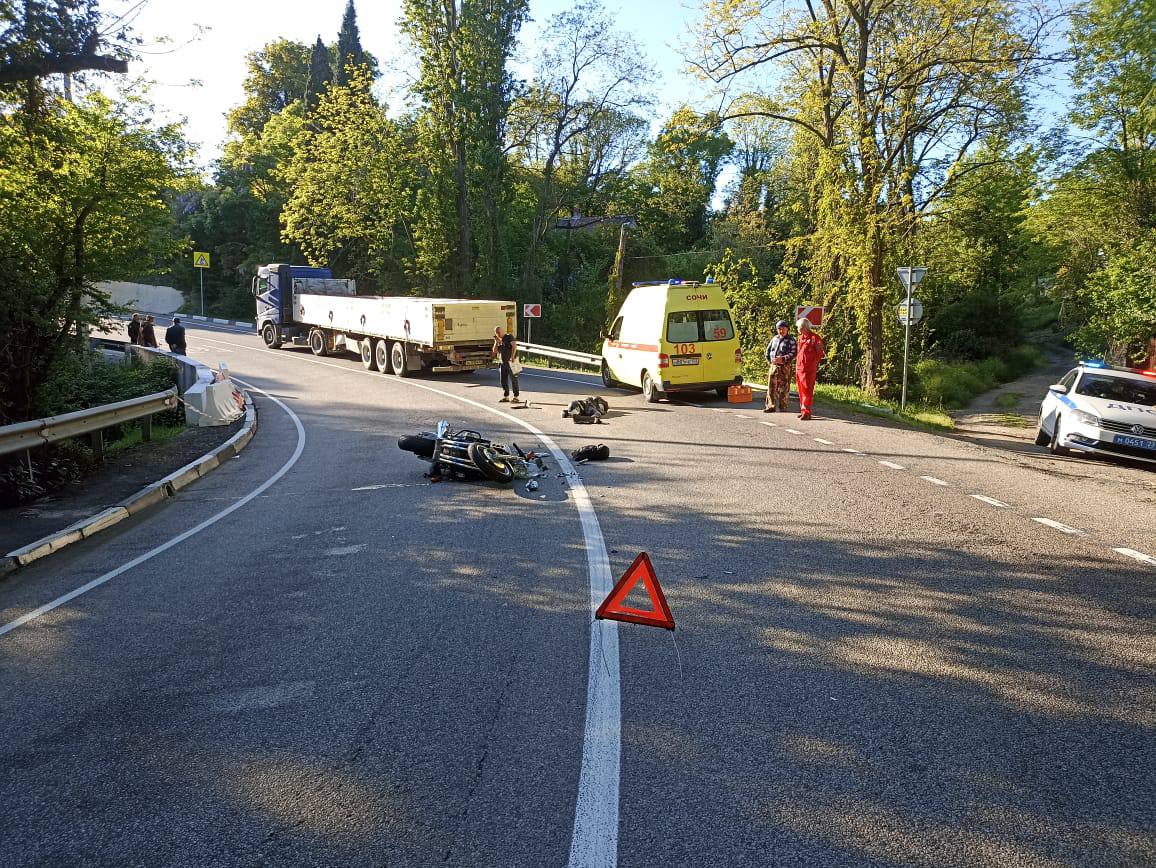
(738, 357)
(663, 360)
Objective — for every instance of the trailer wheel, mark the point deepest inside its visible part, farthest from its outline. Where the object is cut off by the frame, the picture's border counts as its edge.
(399, 359)
(365, 347)
(381, 355)
(271, 335)
(318, 342)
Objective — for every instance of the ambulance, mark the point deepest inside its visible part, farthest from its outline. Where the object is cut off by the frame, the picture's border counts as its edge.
(673, 336)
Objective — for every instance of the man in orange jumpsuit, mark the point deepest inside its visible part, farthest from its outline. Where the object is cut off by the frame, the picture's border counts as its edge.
(811, 352)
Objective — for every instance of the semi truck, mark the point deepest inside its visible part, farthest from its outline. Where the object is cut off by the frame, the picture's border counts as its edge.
(392, 334)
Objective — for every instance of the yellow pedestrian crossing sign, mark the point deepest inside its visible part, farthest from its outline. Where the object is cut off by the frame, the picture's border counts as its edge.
(200, 260)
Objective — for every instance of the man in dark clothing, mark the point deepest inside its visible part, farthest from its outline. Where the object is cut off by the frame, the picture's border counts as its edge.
(780, 354)
(134, 329)
(506, 347)
(175, 337)
(148, 335)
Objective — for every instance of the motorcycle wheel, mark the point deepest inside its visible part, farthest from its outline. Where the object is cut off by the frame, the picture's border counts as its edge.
(418, 444)
(492, 463)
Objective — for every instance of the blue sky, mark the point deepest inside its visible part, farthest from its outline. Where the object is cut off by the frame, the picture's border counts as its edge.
(210, 38)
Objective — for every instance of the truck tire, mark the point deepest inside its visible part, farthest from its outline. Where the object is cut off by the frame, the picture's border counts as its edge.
(381, 355)
(319, 342)
(399, 362)
(271, 335)
(493, 466)
(365, 347)
(649, 390)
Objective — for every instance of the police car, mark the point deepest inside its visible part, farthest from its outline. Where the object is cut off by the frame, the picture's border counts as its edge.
(1101, 409)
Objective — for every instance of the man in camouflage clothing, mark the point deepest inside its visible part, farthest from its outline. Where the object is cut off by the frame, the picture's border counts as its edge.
(780, 359)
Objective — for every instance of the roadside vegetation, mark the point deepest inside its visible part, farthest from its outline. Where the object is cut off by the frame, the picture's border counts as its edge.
(88, 380)
(817, 160)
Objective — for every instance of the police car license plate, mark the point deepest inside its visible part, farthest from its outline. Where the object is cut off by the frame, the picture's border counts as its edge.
(1135, 442)
(684, 360)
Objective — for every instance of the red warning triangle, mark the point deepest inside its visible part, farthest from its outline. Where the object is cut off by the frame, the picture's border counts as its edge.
(614, 606)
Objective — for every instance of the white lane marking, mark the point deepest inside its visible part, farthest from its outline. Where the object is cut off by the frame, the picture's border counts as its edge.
(720, 410)
(180, 538)
(595, 837)
(792, 431)
(595, 382)
(892, 465)
(1062, 528)
(853, 451)
(741, 416)
(990, 501)
(933, 480)
(768, 424)
(821, 440)
(390, 485)
(1140, 556)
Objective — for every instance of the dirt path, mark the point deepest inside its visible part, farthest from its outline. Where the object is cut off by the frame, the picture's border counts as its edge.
(1012, 410)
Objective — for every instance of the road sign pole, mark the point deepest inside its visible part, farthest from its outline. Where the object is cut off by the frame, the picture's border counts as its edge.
(906, 342)
(529, 329)
(201, 272)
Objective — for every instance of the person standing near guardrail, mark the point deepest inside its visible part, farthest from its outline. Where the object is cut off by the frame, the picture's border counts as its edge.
(780, 356)
(811, 352)
(148, 334)
(175, 337)
(506, 347)
(134, 329)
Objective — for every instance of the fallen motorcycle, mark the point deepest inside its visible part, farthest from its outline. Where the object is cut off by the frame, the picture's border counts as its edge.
(467, 454)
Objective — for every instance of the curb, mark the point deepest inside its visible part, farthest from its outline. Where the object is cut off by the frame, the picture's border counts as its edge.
(147, 497)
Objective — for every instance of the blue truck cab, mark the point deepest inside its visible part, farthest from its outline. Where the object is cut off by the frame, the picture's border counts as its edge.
(273, 290)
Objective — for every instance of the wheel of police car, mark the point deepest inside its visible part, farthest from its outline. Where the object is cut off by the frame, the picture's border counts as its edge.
(1042, 438)
(381, 356)
(365, 347)
(317, 343)
(1057, 438)
(271, 336)
(493, 466)
(649, 390)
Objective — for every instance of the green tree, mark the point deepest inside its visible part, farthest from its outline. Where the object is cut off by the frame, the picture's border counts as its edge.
(465, 87)
(83, 193)
(891, 98)
(277, 77)
(320, 75)
(349, 177)
(1101, 212)
(349, 51)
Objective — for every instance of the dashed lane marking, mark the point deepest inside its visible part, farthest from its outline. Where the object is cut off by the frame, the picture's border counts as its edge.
(933, 480)
(990, 501)
(741, 416)
(821, 440)
(892, 465)
(769, 424)
(792, 431)
(1139, 556)
(1062, 528)
(853, 451)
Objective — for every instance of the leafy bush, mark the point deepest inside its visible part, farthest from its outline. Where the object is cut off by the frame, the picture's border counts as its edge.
(955, 384)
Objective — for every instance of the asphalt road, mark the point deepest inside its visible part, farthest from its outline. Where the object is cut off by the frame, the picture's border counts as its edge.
(872, 666)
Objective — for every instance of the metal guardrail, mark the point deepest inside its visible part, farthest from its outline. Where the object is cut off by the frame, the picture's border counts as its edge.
(558, 353)
(40, 432)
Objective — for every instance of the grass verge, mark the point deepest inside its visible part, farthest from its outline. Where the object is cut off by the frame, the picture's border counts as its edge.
(133, 436)
(853, 398)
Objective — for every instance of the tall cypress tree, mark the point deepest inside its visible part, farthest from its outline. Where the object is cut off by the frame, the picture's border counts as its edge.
(320, 74)
(349, 49)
